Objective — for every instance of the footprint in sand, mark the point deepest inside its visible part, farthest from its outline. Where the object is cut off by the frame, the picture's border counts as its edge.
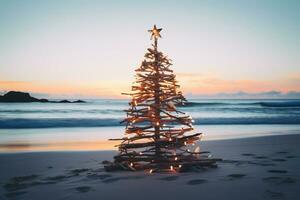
(19, 183)
(237, 162)
(272, 179)
(42, 183)
(277, 171)
(83, 189)
(99, 176)
(260, 157)
(77, 172)
(98, 170)
(288, 180)
(25, 178)
(197, 181)
(236, 176)
(57, 178)
(290, 157)
(275, 195)
(279, 180)
(279, 160)
(264, 164)
(169, 178)
(111, 180)
(248, 154)
(282, 152)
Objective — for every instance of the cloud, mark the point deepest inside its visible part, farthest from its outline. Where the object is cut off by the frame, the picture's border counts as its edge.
(105, 89)
(212, 84)
(247, 95)
(192, 84)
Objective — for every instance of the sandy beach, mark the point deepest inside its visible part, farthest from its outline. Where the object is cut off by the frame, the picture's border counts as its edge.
(252, 168)
(149, 100)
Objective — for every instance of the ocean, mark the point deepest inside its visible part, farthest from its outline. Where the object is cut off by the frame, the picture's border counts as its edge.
(38, 124)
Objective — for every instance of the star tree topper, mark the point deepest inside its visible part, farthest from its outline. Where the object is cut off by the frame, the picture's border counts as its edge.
(155, 32)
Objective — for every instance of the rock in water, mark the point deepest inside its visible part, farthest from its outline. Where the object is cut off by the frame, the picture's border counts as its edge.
(16, 97)
(24, 97)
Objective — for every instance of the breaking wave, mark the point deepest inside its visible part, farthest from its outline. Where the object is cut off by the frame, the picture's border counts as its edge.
(94, 122)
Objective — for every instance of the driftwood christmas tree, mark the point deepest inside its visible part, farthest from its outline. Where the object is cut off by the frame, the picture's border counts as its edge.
(156, 136)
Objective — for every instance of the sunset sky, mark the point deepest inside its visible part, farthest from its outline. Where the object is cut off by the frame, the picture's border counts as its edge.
(91, 48)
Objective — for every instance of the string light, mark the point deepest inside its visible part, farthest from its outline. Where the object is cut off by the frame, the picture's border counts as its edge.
(134, 102)
(153, 105)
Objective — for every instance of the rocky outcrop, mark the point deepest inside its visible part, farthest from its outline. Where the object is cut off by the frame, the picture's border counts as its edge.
(24, 97)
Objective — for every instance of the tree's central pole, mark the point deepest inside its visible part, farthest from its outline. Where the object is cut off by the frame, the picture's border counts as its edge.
(156, 99)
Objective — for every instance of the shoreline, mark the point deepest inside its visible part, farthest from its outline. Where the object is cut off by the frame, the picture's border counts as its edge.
(202, 142)
(94, 139)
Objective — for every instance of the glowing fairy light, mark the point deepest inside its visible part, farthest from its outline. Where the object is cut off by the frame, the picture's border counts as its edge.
(153, 115)
(134, 102)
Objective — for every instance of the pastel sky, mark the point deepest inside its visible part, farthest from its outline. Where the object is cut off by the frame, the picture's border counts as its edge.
(91, 48)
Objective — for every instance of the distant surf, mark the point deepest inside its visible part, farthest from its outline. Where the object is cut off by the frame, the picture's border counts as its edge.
(263, 104)
(94, 122)
(109, 113)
